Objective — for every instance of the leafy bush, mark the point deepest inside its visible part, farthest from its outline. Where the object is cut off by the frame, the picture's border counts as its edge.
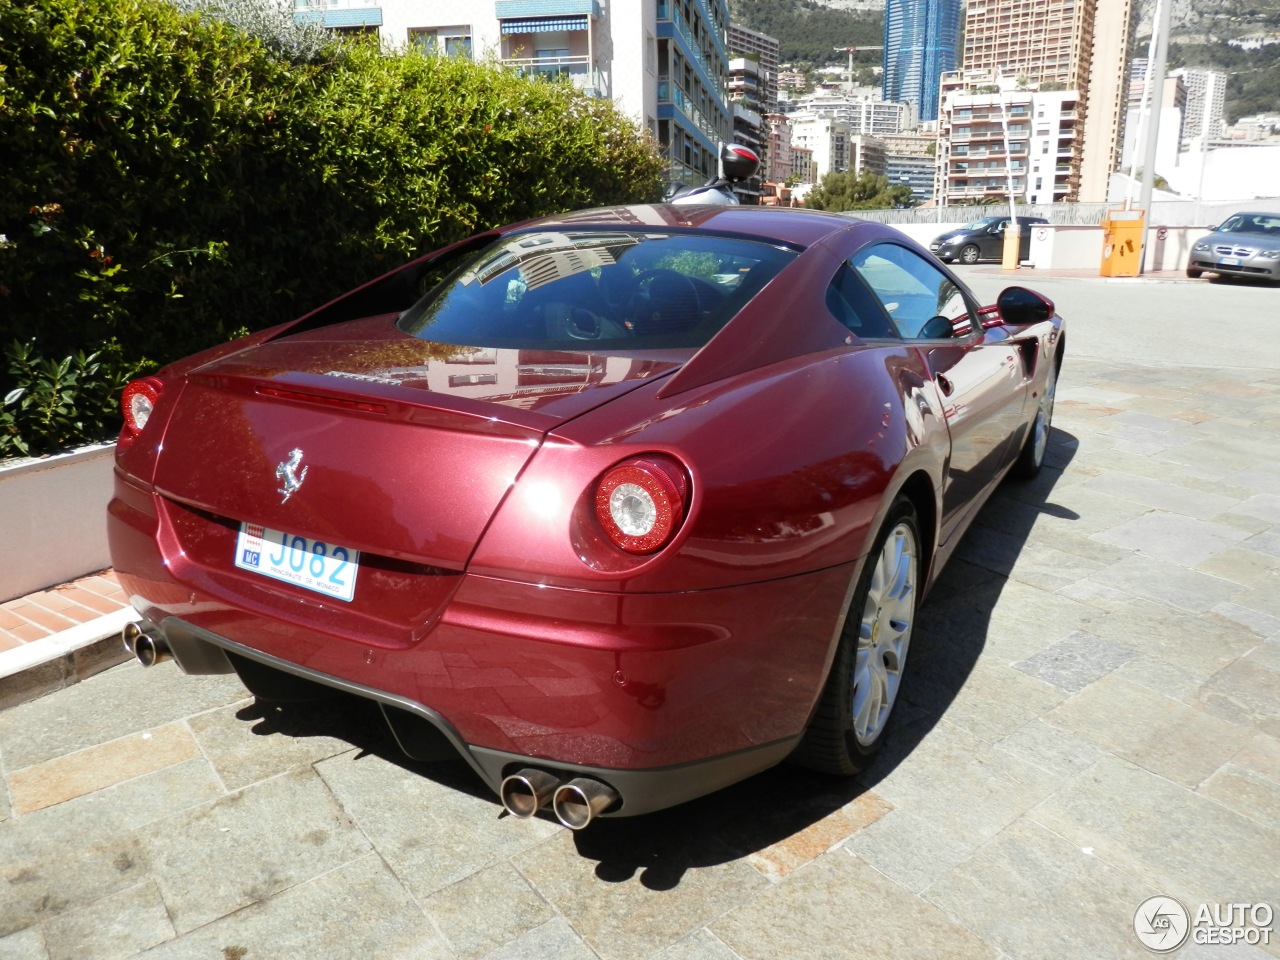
(856, 191)
(61, 403)
(172, 179)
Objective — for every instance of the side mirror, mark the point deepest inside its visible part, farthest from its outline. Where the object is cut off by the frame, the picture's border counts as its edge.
(1020, 307)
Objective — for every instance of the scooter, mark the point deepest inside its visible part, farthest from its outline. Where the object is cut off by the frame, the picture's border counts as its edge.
(737, 163)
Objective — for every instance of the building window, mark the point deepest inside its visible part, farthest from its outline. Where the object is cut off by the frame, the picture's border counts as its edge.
(449, 41)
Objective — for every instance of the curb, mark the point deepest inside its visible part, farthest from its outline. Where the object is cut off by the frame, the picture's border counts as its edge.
(51, 663)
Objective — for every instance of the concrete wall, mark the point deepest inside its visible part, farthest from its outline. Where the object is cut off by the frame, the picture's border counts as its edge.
(53, 519)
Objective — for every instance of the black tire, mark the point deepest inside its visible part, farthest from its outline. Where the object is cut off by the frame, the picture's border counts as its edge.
(970, 253)
(857, 705)
(1194, 274)
(1031, 457)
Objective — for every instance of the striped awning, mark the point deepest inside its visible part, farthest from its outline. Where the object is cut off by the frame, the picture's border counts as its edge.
(544, 25)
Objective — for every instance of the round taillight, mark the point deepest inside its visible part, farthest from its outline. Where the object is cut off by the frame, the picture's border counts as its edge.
(640, 503)
(138, 402)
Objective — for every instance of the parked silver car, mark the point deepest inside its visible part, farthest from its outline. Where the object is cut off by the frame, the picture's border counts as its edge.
(1243, 245)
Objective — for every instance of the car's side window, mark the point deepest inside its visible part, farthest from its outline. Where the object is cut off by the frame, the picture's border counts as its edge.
(851, 304)
(922, 301)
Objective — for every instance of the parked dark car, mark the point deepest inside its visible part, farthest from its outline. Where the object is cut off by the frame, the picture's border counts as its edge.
(621, 506)
(982, 240)
(1243, 245)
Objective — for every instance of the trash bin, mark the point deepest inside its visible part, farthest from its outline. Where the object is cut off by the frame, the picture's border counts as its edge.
(1122, 243)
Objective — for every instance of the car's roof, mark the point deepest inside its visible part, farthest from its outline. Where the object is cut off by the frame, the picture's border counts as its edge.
(790, 225)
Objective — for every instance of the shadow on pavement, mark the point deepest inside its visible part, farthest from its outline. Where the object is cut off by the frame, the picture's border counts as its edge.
(777, 804)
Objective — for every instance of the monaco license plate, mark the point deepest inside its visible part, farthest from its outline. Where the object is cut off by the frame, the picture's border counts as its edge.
(327, 568)
(1228, 261)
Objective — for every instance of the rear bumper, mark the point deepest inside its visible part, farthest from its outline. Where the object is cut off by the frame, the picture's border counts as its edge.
(663, 696)
(424, 734)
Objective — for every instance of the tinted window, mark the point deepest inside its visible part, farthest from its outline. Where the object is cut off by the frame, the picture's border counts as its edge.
(852, 304)
(913, 291)
(1251, 223)
(576, 289)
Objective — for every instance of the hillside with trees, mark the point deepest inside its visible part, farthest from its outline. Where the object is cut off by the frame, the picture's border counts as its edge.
(808, 32)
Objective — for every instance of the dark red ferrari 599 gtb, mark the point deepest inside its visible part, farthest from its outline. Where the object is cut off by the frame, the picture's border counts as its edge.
(622, 506)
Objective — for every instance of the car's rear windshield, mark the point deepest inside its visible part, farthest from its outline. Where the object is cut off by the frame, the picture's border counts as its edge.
(577, 289)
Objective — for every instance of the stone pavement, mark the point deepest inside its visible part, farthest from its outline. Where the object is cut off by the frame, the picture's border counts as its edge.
(1092, 718)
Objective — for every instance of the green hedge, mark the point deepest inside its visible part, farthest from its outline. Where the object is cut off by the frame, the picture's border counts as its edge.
(167, 181)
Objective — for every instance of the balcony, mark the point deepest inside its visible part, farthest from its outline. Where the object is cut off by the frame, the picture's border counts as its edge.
(580, 71)
(670, 93)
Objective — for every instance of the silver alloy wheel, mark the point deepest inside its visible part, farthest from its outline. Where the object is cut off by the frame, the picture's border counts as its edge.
(969, 253)
(1044, 416)
(884, 634)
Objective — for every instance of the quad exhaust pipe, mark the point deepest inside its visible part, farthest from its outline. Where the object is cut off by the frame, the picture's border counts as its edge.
(575, 803)
(147, 644)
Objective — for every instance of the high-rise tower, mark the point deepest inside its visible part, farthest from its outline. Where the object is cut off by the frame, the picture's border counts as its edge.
(921, 41)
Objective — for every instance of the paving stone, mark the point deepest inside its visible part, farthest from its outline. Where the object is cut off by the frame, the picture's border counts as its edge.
(117, 926)
(247, 743)
(1199, 645)
(1264, 600)
(357, 910)
(840, 906)
(1261, 624)
(1247, 693)
(1159, 495)
(1267, 542)
(556, 940)
(629, 900)
(1263, 477)
(1174, 839)
(217, 858)
(956, 781)
(1036, 564)
(909, 850)
(1245, 792)
(1260, 754)
(124, 700)
(1069, 904)
(1053, 750)
(802, 846)
(61, 858)
(1172, 538)
(1163, 678)
(1097, 594)
(1168, 583)
(1074, 663)
(105, 765)
(433, 825)
(486, 910)
(1156, 732)
(26, 944)
(991, 701)
(1222, 951)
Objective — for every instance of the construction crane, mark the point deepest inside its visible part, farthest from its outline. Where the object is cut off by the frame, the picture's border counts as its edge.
(851, 51)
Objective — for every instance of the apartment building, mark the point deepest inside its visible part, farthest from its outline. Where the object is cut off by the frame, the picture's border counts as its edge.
(864, 113)
(1077, 45)
(1042, 158)
(921, 43)
(835, 146)
(764, 50)
(911, 158)
(1205, 107)
(663, 62)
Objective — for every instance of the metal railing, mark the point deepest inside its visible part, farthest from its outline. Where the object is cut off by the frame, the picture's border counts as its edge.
(1173, 213)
